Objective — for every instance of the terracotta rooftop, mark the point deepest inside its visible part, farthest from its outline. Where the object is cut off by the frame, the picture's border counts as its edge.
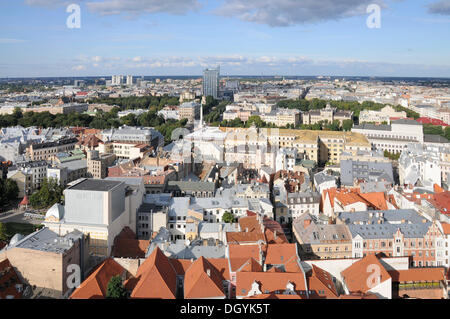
(240, 254)
(127, 246)
(180, 265)
(8, 280)
(446, 228)
(251, 231)
(251, 265)
(203, 280)
(356, 276)
(442, 202)
(280, 254)
(418, 275)
(156, 278)
(95, 286)
(320, 282)
(269, 282)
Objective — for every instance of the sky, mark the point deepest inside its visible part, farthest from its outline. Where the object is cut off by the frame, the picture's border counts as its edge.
(244, 37)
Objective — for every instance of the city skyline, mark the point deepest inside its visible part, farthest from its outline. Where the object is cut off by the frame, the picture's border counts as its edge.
(177, 38)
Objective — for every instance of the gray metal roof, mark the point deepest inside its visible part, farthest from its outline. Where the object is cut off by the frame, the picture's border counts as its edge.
(179, 206)
(318, 233)
(380, 231)
(406, 121)
(430, 138)
(191, 186)
(370, 126)
(74, 165)
(49, 241)
(389, 216)
(322, 177)
(95, 185)
(368, 171)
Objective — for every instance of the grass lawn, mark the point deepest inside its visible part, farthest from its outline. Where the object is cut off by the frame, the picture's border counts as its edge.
(21, 228)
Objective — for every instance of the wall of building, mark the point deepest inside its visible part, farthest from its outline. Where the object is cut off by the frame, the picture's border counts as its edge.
(45, 270)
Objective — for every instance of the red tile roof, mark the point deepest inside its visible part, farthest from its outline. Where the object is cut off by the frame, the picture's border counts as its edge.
(280, 254)
(95, 286)
(240, 254)
(251, 231)
(359, 296)
(127, 246)
(446, 228)
(376, 199)
(273, 232)
(24, 201)
(320, 282)
(269, 282)
(428, 120)
(441, 201)
(180, 265)
(357, 275)
(8, 280)
(418, 275)
(251, 265)
(203, 280)
(156, 278)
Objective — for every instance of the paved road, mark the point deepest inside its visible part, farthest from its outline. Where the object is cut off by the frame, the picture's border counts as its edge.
(18, 217)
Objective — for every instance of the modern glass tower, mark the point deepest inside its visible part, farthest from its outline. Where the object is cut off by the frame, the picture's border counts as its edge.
(211, 82)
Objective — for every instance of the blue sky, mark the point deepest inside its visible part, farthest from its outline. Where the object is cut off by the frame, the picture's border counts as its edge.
(181, 37)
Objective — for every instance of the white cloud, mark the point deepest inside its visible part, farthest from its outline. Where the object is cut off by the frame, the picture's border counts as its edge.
(79, 68)
(292, 12)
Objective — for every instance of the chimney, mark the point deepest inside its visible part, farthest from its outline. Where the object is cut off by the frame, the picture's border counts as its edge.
(208, 272)
(246, 229)
(275, 235)
(306, 223)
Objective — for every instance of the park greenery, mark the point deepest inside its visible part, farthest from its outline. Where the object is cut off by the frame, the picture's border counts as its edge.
(437, 130)
(149, 102)
(9, 229)
(212, 110)
(354, 106)
(308, 105)
(101, 120)
(51, 192)
(8, 191)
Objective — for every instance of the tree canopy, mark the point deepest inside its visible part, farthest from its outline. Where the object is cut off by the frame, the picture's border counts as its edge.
(8, 191)
(49, 193)
(228, 217)
(115, 289)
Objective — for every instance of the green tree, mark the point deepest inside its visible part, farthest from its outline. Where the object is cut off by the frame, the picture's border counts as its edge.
(115, 288)
(11, 189)
(392, 156)
(447, 132)
(3, 231)
(129, 120)
(256, 120)
(49, 194)
(347, 125)
(8, 191)
(228, 217)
